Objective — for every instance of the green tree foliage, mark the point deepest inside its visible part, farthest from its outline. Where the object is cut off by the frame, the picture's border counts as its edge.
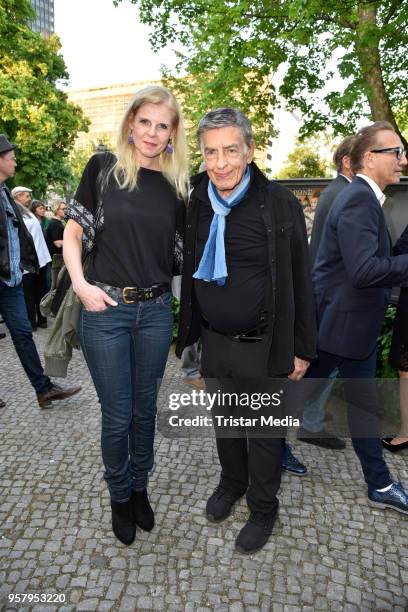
(384, 370)
(304, 162)
(34, 113)
(232, 47)
(78, 158)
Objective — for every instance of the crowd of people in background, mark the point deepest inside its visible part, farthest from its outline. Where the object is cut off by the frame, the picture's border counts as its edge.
(47, 230)
(23, 251)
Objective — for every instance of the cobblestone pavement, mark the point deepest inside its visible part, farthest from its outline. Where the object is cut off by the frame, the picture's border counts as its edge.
(329, 549)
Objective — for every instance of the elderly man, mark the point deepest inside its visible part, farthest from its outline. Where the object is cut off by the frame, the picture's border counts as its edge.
(352, 277)
(17, 253)
(251, 302)
(22, 195)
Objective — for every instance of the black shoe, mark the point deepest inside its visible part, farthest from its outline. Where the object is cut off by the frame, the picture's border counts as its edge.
(2, 404)
(324, 439)
(123, 524)
(291, 464)
(143, 514)
(255, 533)
(393, 448)
(219, 505)
(55, 392)
(2, 335)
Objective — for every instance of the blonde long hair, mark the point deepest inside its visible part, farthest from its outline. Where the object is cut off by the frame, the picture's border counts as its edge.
(174, 165)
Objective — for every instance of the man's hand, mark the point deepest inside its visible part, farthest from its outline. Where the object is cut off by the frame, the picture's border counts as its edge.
(299, 368)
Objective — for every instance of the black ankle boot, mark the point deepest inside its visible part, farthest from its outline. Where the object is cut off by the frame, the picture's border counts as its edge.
(142, 510)
(255, 533)
(123, 523)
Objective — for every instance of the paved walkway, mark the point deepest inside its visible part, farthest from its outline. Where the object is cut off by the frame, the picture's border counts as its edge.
(329, 550)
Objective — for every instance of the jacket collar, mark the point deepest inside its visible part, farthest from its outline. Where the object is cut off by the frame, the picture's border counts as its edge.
(372, 186)
(377, 190)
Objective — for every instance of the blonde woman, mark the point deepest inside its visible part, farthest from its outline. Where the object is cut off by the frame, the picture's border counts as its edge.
(126, 321)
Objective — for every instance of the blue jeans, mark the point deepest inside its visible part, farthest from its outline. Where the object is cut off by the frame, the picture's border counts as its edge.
(126, 348)
(314, 410)
(14, 312)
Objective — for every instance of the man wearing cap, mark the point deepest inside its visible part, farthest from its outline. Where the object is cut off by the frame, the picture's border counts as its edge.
(17, 253)
(22, 195)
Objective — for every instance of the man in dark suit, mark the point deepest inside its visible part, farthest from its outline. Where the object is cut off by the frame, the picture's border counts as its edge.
(341, 159)
(352, 276)
(313, 427)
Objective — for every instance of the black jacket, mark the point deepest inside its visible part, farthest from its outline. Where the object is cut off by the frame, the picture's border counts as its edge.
(28, 255)
(291, 311)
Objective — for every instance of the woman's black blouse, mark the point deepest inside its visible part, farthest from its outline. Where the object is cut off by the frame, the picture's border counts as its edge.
(136, 245)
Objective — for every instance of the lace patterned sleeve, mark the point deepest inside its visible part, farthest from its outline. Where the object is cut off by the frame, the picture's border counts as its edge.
(85, 219)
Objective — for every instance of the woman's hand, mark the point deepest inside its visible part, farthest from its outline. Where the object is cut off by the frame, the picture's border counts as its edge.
(93, 298)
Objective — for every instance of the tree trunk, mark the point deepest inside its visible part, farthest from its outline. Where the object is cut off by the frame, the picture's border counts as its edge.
(370, 64)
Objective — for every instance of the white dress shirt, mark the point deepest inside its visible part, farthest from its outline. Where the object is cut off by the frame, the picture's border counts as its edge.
(378, 193)
(35, 229)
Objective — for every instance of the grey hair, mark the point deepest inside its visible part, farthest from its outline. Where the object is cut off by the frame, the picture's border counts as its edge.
(225, 117)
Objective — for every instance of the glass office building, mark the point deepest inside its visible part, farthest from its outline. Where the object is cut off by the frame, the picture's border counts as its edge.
(45, 16)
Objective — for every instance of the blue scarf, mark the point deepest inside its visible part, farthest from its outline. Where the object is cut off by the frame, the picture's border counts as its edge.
(213, 266)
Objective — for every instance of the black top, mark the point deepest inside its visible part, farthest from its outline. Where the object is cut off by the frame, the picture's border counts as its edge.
(401, 248)
(246, 253)
(55, 231)
(136, 244)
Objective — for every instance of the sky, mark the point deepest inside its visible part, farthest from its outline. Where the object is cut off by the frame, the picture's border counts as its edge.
(104, 45)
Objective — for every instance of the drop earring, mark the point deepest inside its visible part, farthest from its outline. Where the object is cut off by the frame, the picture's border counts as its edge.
(169, 148)
(130, 137)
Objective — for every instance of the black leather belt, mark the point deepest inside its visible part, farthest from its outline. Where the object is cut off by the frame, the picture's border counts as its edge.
(131, 295)
(251, 335)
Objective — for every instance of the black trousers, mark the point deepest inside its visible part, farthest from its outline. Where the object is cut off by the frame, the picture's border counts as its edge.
(35, 287)
(250, 461)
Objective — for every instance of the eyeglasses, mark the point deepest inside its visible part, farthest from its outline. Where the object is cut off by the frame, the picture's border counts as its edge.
(400, 152)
